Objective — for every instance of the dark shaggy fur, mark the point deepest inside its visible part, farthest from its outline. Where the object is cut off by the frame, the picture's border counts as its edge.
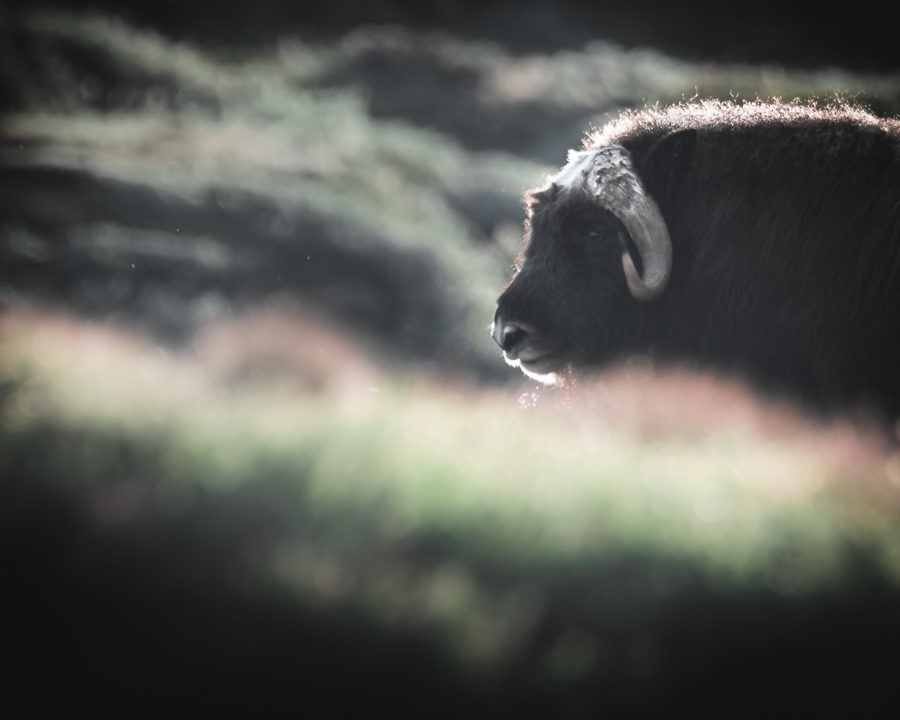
(785, 227)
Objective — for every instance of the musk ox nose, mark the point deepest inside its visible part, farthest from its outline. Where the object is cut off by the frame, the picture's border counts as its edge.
(508, 334)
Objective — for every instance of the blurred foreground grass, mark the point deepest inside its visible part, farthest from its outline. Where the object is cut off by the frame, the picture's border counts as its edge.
(514, 494)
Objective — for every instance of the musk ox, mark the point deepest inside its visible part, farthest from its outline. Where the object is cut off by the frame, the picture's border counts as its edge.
(762, 238)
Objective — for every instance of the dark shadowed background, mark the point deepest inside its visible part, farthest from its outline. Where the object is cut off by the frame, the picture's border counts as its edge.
(257, 443)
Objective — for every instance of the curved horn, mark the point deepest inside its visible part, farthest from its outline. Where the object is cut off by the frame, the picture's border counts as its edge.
(612, 179)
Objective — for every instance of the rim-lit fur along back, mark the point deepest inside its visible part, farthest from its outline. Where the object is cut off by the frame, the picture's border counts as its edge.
(714, 114)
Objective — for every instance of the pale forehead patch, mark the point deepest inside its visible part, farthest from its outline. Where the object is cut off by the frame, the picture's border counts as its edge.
(573, 173)
(580, 161)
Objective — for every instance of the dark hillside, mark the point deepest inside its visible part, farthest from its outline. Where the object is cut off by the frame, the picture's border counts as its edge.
(801, 33)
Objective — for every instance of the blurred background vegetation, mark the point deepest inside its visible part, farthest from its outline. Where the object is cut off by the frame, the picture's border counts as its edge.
(256, 439)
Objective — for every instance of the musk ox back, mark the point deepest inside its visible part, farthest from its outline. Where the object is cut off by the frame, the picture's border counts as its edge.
(762, 238)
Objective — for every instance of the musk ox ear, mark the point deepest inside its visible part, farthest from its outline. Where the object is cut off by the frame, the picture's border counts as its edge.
(550, 194)
(547, 195)
(668, 162)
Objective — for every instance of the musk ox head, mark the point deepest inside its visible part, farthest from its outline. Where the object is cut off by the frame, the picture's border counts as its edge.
(598, 248)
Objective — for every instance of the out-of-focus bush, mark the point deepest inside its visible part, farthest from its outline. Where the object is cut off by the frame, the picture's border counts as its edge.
(166, 154)
(540, 105)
